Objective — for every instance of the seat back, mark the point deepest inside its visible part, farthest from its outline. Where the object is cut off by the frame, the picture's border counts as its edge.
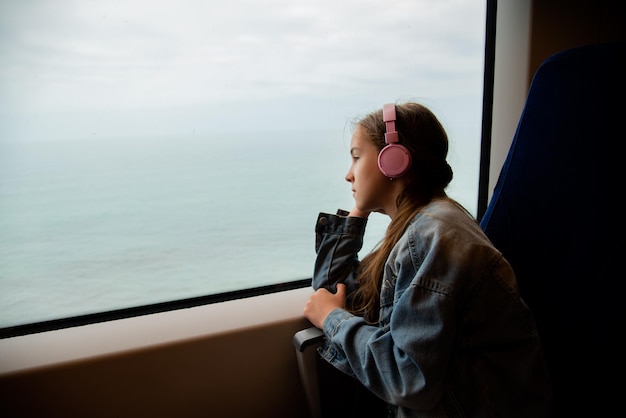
(556, 215)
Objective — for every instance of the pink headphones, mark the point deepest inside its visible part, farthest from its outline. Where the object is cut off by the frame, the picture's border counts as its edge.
(393, 160)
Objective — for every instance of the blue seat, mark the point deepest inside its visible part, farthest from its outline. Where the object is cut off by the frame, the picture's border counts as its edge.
(557, 215)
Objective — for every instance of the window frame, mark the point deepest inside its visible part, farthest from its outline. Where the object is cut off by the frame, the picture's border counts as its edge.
(483, 185)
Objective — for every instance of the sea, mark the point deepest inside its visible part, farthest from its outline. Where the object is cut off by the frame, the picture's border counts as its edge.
(97, 224)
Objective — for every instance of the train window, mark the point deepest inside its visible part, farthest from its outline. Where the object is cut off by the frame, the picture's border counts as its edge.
(155, 151)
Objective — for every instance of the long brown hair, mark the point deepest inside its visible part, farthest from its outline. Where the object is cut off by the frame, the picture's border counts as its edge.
(421, 132)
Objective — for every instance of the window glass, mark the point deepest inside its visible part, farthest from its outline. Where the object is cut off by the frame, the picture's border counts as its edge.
(158, 150)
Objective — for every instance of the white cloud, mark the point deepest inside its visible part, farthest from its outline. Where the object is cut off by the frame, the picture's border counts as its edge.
(67, 57)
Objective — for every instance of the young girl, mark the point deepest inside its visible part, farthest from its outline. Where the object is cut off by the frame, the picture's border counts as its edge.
(431, 321)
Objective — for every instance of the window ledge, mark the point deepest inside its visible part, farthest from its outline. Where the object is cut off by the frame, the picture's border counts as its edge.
(105, 338)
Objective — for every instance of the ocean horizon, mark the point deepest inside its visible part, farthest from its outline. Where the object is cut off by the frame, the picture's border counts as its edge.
(101, 224)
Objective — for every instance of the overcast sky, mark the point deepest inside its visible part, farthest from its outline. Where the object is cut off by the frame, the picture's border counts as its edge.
(147, 67)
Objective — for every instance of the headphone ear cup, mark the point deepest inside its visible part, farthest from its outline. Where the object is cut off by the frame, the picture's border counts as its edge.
(394, 160)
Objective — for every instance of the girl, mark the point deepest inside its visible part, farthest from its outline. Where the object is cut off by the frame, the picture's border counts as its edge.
(431, 321)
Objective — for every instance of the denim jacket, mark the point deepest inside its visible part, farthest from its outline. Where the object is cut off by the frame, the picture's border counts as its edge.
(454, 338)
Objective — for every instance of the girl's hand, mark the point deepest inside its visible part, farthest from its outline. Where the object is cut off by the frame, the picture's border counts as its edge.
(358, 213)
(322, 302)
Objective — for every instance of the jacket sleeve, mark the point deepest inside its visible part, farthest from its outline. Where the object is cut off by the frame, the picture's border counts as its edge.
(416, 341)
(338, 239)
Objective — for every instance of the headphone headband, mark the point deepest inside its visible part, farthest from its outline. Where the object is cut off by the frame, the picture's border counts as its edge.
(389, 117)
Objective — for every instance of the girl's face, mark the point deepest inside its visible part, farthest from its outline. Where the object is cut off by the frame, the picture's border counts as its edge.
(372, 191)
